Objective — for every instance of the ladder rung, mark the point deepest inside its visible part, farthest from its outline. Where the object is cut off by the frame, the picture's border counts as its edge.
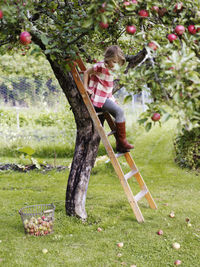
(111, 133)
(117, 155)
(141, 194)
(130, 174)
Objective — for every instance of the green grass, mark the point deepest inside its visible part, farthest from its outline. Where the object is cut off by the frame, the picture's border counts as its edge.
(80, 244)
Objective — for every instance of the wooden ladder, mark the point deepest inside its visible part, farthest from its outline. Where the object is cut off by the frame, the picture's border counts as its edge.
(134, 172)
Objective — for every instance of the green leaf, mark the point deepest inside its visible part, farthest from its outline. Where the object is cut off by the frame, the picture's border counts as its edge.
(141, 121)
(26, 149)
(44, 39)
(193, 76)
(148, 126)
(87, 23)
(127, 99)
(130, 7)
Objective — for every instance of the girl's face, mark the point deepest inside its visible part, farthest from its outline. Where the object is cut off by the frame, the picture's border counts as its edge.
(112, 62)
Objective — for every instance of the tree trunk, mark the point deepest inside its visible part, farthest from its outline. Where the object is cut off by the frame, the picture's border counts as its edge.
(87, 143)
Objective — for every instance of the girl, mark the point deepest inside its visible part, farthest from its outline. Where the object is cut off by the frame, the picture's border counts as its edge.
(98, 81)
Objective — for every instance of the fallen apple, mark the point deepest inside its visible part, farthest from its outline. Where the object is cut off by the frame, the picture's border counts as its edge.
(99, 229)
(177, 262)
(160, 232)
(172, 214)
(103, 25)
(143, 13)
(152, 45)
(120, 244)
(176, 245)
(44, 251)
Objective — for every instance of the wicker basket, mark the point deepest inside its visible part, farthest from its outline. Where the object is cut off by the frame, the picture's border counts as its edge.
(38, 219)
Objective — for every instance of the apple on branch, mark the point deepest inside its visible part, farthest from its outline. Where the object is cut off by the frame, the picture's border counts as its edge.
(25, 38)
(156, 117)
(131, 29)
(171, 37)
(180, 29)
(155, 9)
(103, 25)
(1, 14)
(152, 45)
(143, 13)
(191, 29)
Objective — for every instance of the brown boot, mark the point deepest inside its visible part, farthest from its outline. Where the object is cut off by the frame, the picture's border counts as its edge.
(122, 144)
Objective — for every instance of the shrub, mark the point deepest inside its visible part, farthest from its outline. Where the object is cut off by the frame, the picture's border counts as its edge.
(187, 148)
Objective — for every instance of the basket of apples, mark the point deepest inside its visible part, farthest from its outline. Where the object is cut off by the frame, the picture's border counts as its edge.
(38, 219)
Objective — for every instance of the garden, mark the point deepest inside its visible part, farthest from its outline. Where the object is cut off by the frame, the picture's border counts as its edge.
(62, 203)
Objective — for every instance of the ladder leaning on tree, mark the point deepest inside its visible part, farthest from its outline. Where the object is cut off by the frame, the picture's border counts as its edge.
(77, 68)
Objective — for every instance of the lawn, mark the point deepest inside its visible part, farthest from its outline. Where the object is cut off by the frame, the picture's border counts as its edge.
(75, 243)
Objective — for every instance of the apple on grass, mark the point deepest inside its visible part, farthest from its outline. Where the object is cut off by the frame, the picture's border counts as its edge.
(131, 29)
(177, 262)
(160, 232)
(176, 245)
(120, 244)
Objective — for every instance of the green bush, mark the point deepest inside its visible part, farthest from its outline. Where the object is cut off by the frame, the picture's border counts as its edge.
(187, 148)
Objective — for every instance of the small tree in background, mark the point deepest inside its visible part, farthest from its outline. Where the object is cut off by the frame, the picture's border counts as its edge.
(163, 36)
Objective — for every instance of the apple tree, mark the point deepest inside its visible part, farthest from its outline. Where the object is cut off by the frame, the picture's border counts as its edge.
(161, 43)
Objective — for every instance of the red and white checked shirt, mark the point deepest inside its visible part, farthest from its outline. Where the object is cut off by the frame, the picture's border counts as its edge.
(101, 83)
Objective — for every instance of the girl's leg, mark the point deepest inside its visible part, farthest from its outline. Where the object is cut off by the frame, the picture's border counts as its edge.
(117, 112)
(114, 109)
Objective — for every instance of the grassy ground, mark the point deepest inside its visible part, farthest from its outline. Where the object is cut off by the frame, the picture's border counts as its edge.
(80, 244)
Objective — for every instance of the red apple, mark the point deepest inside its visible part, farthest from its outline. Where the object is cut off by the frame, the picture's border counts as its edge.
(178, 7)
(155, 117)
(160, 232)
(94, 61)
(120, 245)
(126, 3)
(152, 45)
(155, 8)
(131, 29)
(171, 37)
(1, 14)
(103, 25)
(25, 38)
(143, 13)
(99, 229)
(180, 29)
(177, 262)
(191, 29)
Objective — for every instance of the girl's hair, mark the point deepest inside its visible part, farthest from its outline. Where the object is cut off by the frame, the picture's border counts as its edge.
(114, 51)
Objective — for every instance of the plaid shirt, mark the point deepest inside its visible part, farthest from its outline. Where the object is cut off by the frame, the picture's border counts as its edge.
(101, 83)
